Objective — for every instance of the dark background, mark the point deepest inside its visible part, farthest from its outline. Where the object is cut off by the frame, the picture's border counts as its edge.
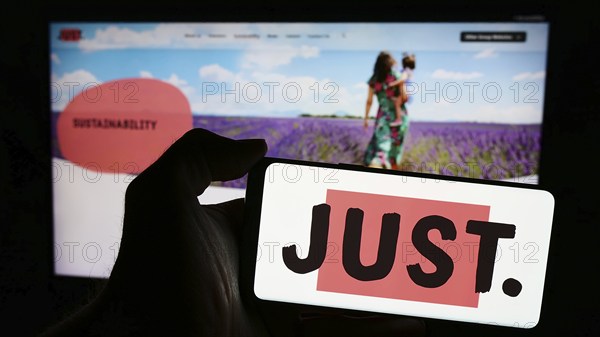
(30, 298)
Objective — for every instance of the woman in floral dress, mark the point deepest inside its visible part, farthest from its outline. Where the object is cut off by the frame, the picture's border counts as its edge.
(387, 143)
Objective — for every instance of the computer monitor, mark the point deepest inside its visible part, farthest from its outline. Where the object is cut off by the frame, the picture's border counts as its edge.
(121, 92)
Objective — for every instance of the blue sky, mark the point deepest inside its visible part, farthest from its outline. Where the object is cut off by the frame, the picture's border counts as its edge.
(338, 65)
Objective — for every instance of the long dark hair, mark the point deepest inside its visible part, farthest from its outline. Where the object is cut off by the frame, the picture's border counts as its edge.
(383, 66)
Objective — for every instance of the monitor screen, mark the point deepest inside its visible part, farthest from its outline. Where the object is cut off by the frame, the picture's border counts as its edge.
(449, 98)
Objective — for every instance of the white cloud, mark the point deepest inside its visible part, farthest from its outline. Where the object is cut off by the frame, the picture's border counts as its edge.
(260, 56)
(443, 74)
(538, 75)
(181, 84)
(54, 57)
(267, 93)
(163, 35)
(486, 53)
(215, 72)
(361, 86)
(517, 114)
(480, 113)
(113, 37)
(176, 81)
(308, 51)
(145, 74)
(64, 88)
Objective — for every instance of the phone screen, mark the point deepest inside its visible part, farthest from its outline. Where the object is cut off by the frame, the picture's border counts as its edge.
(366, 240)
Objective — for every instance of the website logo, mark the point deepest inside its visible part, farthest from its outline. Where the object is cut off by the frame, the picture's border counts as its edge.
(70, 34)
(403, 248)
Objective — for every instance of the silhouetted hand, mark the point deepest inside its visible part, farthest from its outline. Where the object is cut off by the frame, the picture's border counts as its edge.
(177, 270)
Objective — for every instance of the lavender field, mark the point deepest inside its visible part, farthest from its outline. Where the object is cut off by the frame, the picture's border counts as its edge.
(488, 151)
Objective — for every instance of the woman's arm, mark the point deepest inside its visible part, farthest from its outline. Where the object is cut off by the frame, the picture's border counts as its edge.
(403, 93)
(368, 106)
(396, 82)
(401, 79)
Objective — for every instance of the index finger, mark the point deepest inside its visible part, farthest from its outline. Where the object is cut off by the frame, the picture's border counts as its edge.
(198, 158)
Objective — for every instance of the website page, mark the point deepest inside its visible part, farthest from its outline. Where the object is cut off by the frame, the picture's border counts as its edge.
(461, 99)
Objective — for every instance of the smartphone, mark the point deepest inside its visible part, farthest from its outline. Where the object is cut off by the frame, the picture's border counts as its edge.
(382, 241)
